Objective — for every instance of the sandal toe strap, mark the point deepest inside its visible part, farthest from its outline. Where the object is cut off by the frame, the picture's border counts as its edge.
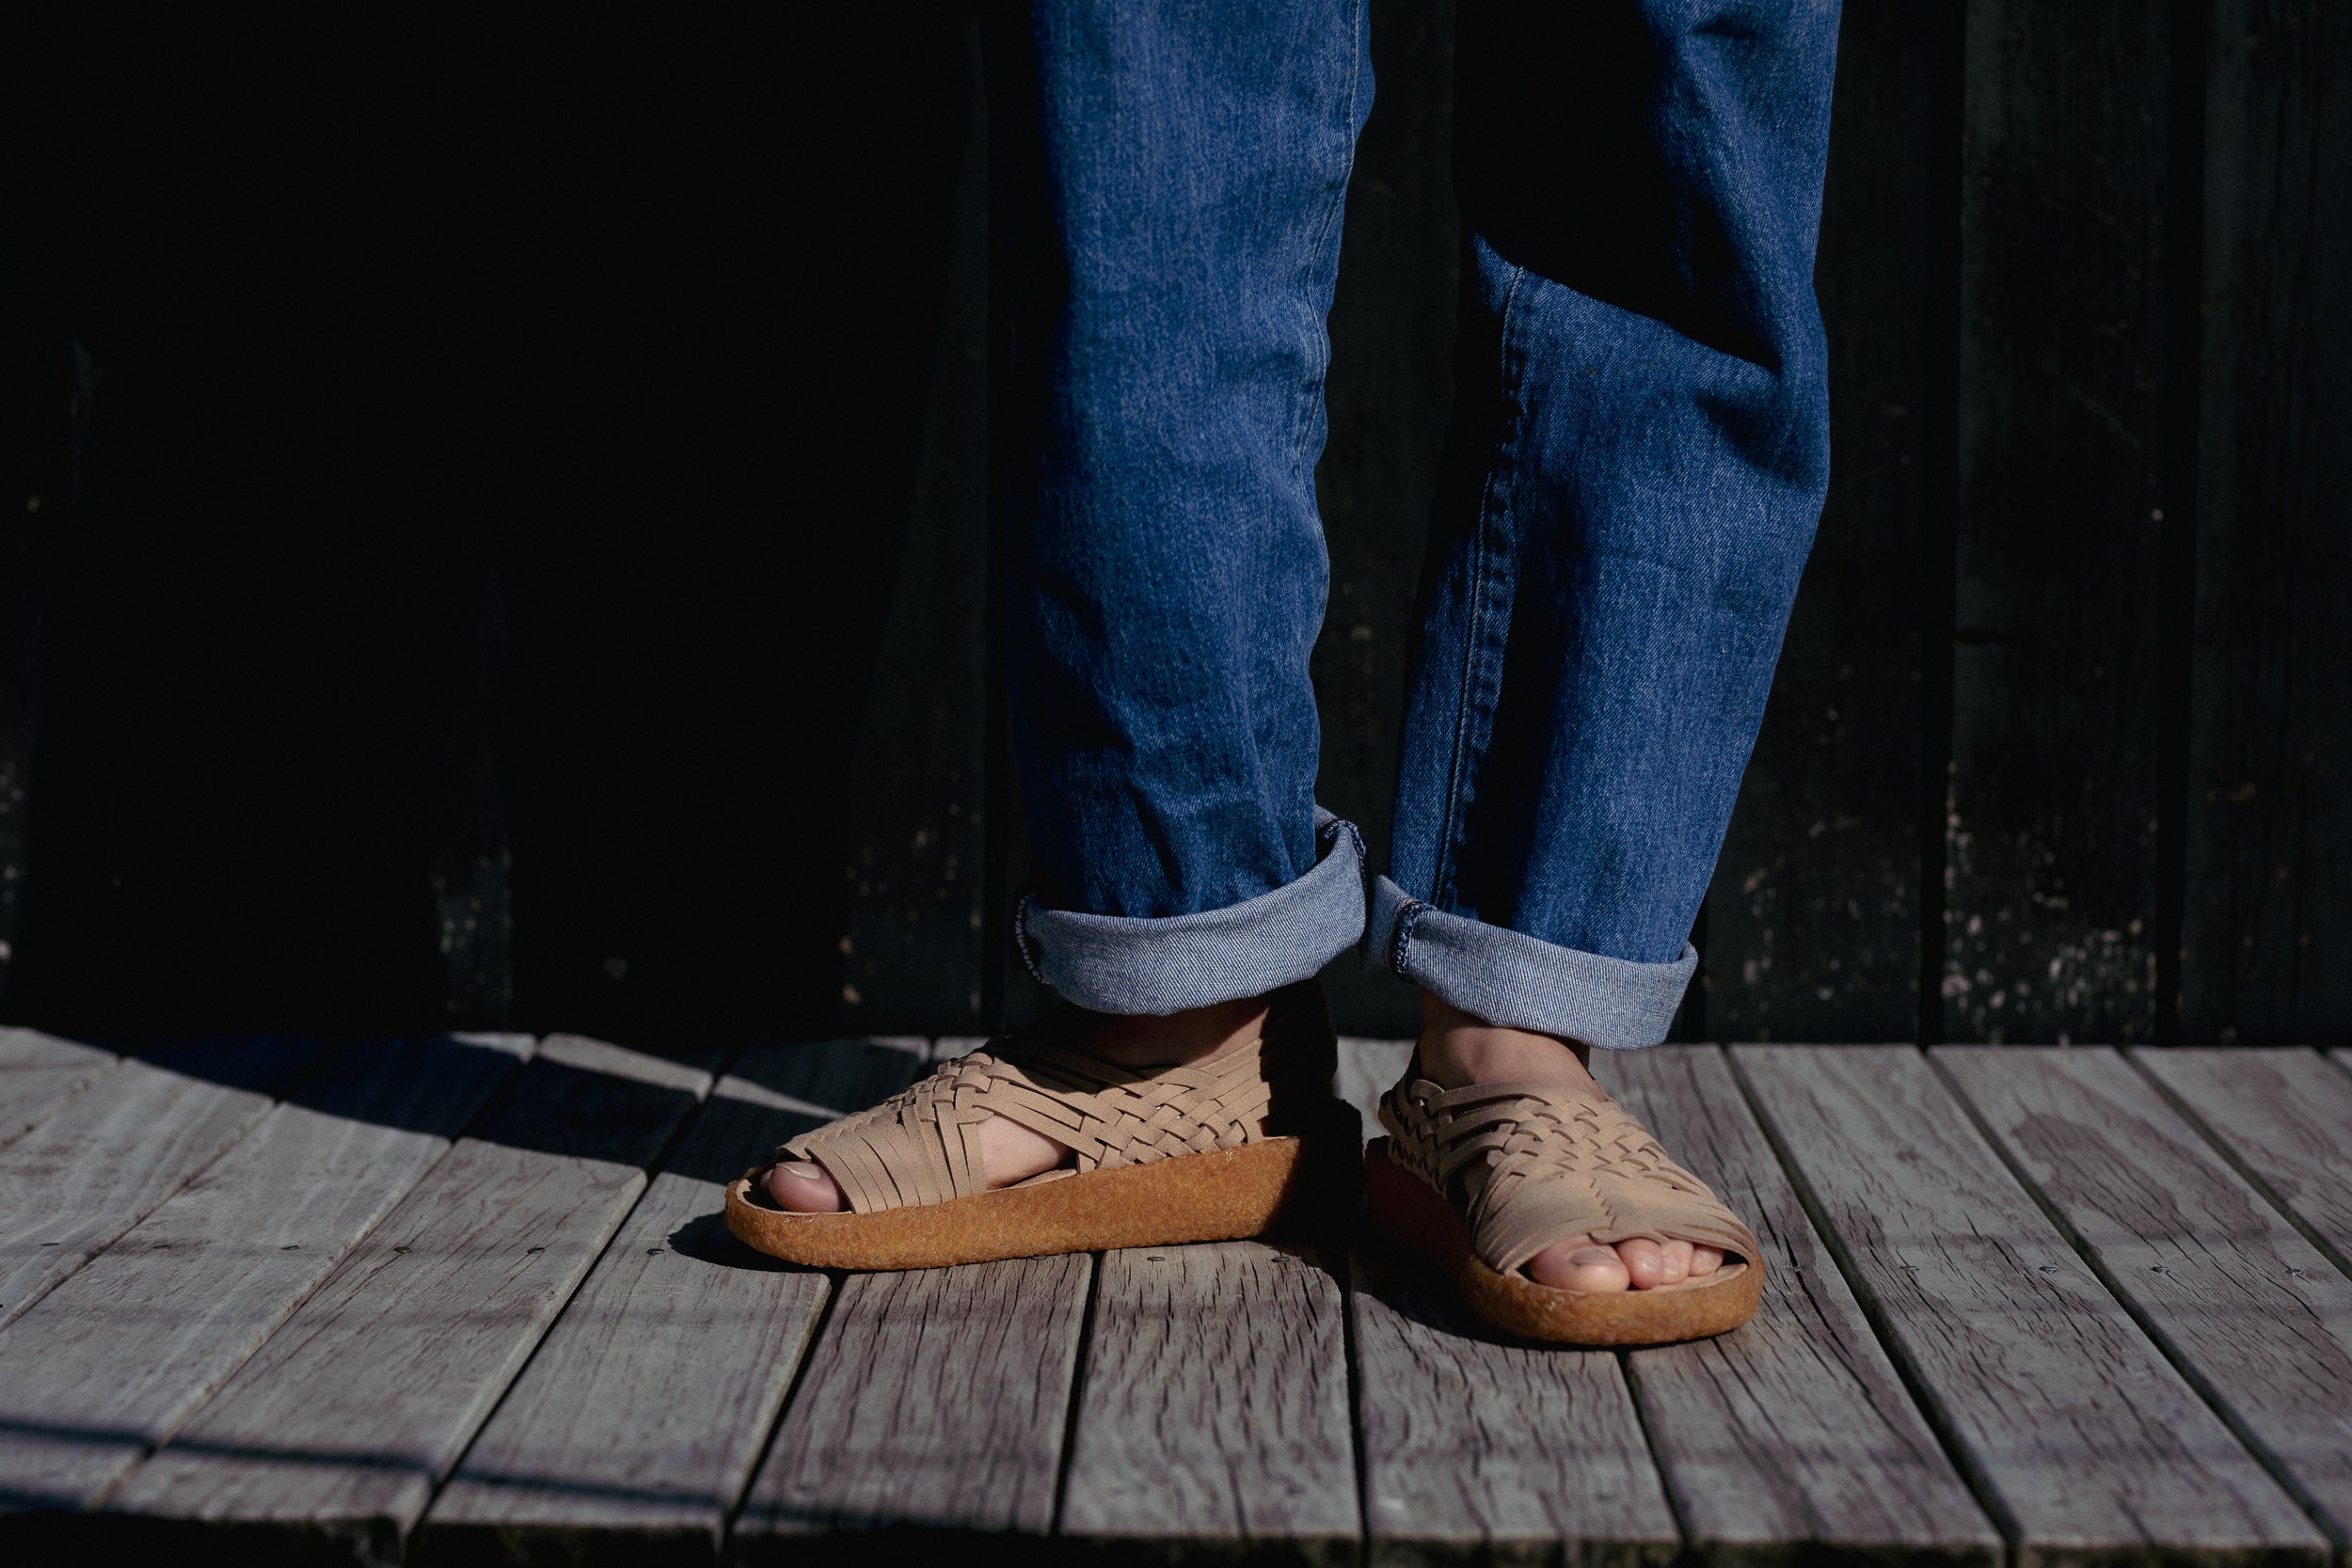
(1541, 1163)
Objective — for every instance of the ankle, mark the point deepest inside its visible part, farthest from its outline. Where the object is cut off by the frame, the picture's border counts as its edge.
(1457, 1049)
(1173, 1039)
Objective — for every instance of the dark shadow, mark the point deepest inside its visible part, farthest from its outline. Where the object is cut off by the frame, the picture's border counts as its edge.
(505, 439)
(707, 1239)
(1423, 1296)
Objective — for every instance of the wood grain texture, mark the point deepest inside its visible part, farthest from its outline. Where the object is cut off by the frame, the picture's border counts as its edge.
(2283, 1115)
(1813, 915)
(331, 1438)
(39, 1073)
(934, 1401)
(98, 1166)
(1476, 1450)
(1213, 1410)
(2051, 841)
(2082, 1440)
(2269, 816)
(1795, 1432)
(111, 1362)
(636, 1425)
(2236, 1295)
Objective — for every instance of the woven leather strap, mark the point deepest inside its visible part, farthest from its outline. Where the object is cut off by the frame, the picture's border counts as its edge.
(922, 1145)
(1540, 1163)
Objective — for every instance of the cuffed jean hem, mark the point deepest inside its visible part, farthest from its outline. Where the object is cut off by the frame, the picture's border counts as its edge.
(1118, 964)
(1519, 982)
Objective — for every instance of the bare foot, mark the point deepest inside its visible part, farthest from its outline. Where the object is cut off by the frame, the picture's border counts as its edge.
(1011, 1152)
(1457, 1050)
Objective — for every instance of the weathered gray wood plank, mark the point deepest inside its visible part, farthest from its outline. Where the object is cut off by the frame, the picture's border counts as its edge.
(93, 1170)
(932, 1400)
(110, 1363)
(330, 1439)
(40, 1073)
(2217, 1274)
(638, 1421)
(1477, 1450)
(1213, 1410)
(1794, 1433)
(2083, 1440)
(2285, 1117)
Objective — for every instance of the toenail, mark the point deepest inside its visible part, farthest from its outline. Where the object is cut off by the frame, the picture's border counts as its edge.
(807, 1173)
(1586, 1257)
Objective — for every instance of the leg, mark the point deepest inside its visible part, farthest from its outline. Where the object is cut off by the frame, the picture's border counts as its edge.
(1638, 460)
(1175, 183)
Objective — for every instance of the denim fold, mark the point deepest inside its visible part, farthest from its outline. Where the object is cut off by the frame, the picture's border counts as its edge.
(1509, 978)
(1125, 964)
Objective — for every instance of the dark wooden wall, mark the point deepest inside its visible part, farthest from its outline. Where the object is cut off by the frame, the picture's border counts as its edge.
(2060, 746)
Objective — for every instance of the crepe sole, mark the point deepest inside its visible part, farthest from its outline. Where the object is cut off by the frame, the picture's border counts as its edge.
(1222, 1195)
(1405, 1206)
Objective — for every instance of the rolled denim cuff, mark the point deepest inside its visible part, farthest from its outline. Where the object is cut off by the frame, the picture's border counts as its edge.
(1520, 982)
(1118, 964)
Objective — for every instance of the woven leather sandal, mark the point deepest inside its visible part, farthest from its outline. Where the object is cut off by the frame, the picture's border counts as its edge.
(1480, 1180)
(1209, 1152)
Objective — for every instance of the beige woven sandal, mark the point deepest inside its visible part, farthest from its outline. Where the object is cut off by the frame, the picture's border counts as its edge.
(1480, 1180)
(1210, 1152)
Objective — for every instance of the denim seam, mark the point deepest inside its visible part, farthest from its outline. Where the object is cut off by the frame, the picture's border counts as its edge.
(1401, 943)
(1021, 938)
(1445, 883)
(1335, 826)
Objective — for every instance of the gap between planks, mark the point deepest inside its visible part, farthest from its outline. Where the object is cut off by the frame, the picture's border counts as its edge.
(204, 1280)
(636, 1423)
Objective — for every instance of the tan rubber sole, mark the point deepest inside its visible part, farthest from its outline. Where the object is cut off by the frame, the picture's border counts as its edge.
(1404, 1208)
(1224, 1196)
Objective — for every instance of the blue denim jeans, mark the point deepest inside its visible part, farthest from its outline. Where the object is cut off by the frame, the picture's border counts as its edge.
(1637, 460)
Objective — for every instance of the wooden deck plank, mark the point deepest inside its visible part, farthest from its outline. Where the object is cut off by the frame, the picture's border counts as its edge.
(105, 1160)
(637, 1423)
(1795, 1432)
(39, 1073)
(111, 1362)
(2283, 1113)
(2085, 1444)
(934, 1400)
(331, 1440)
(2215, 1274)
(1214, 1406)
(1477, 1450)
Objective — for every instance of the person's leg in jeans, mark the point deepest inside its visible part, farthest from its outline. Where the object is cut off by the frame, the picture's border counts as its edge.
(1639, 457)
(1177, 223)
(1638, 461)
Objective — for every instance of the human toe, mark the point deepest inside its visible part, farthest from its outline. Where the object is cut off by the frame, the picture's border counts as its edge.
(1705, 1261)
(806, 1188)
(1676, 1253)
(1579, 1263)
(1645, 1262)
